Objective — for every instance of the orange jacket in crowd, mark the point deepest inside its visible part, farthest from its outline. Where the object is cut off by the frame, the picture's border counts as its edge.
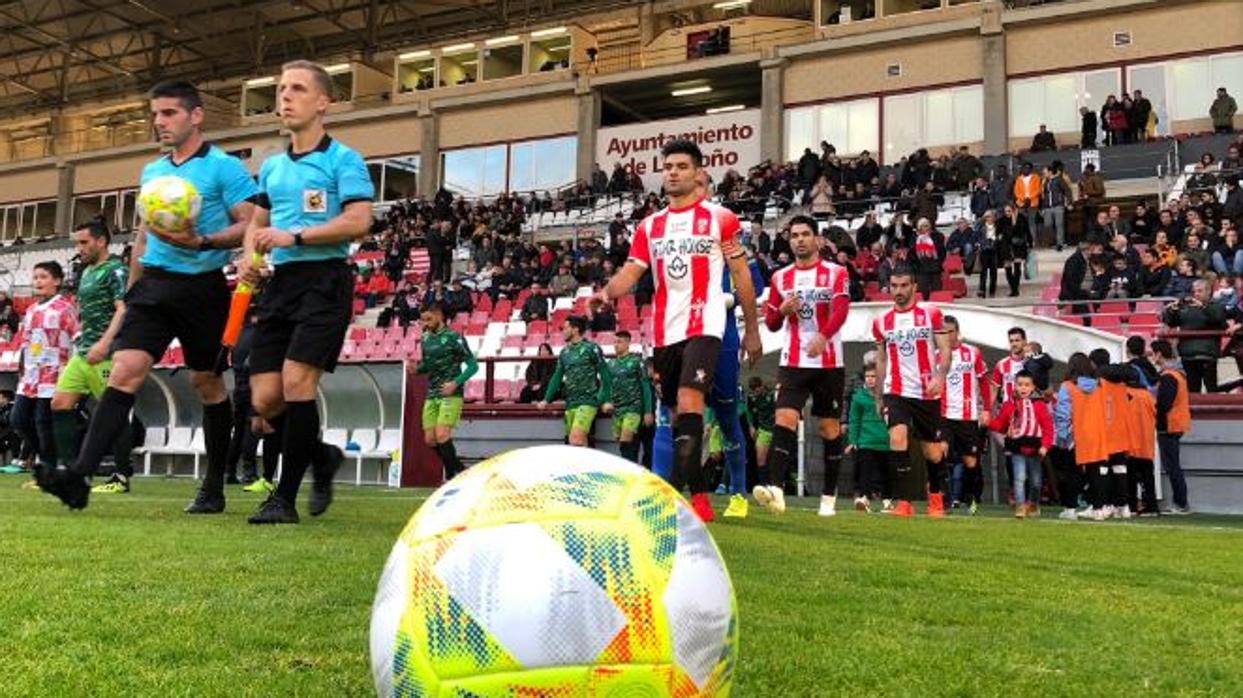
(1027, 190)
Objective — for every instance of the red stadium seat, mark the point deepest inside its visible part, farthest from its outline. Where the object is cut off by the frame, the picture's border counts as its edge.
(357, 333)
(953, 264)
(360, 306)
(1107, 323)
(537, 328)
(474, 391)
(513, 342)
(1114, 307)
(476, 330)
(942, 297)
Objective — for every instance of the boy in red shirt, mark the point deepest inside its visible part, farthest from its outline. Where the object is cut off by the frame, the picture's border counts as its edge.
(1028, 429)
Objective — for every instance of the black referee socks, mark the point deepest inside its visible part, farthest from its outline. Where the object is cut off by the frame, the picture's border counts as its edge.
(217, 428)
(688, 439)
(110, 418)
(782, 452)
(301, 439)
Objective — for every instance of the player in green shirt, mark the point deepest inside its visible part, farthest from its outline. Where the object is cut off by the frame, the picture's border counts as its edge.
(588, 382)
(101, 290)
(448, 363)
(630, 400)
(762, 410)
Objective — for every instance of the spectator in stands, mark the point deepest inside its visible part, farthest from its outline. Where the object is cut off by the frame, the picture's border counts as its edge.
(538, 373)
(1121, 281)
(1113, 117)
(378, 288)
(1014, 243)
(1185, 274)
(1195, 250)
(1100, 229)
(537, 305)
(1077, 279)
(435, 295)
(1198, 313)
(927, 203)
(1087, 128)
(900, 235)
(988, 236)
(1173, 419)
(601, 317)
(820, 198)
(866, 168)
(8, 318)
(1043, 141)
(1222, 113)
(1141, 118)
(1233, 162)
(868, 260)
(963, 242)
(1167, 253)
(965, 168)
(1143, 224)
(1227, 257)
(1055, 198)
(929, 257)
(1117, 224)
(1232, 206)
(564, 283)
(1119, 246)
(1091, 193)
(981, 201)
(457, 299)
(1000, 188)
(407, 307)
(886, 267)
(599, 181)
(809, 169)
(440, 244)
(1154, 275)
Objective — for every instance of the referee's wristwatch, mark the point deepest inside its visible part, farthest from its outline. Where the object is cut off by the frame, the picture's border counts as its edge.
(296, 231)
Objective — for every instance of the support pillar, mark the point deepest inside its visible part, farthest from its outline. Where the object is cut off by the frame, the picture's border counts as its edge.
(772, 118)
(64, 199)
(588, 126)
(429, 154)
(996, 122)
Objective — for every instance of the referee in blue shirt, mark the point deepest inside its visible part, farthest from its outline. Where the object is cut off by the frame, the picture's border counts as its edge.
(177, 290)
(314, 199)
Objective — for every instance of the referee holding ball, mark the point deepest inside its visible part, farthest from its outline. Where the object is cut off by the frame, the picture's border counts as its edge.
(315, 198)
(177, 290)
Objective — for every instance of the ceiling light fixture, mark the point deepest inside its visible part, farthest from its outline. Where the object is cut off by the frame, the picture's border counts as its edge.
(723, 110)
(501, 40)
(414, 54)
(457, 48)
(547, 32)
(688, 91)
(731, 4)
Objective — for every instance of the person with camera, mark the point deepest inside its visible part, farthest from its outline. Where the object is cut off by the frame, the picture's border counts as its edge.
(1198, 313)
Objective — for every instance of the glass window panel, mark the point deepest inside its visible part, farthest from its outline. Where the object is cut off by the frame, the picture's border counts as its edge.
(864, 125)
(969, 115)
(85, 208)
(938, 118)
(1227, 72)
(376, 171)
(494, 169)
(1026, 106)
(1193, 94)
(45, 218)
(401, 178)
(522, 176)
(902, 126)
(800, 131)
(1059, 104)
(833, 121)
(1097, 86)
(1150, 79)
(462, 171)
(502, 62)
(555, 163)
(129, 213)
(547, 55)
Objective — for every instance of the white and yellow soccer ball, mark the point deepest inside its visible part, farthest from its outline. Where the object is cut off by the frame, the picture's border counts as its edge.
(556, 572)
(168, 203)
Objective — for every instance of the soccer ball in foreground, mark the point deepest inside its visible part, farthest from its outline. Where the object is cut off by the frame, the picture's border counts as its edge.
(554, 572)
(168, 203)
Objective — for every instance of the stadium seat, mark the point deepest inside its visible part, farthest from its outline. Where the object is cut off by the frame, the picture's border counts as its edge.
(537, 328)
(474, 391)
(953, 264)
(942, 297)
(958, 286)
(181, 442)
(476, 330)
(513, 342)
(357, 333)
(1114, 308)
(154, 438)
(1107, 323)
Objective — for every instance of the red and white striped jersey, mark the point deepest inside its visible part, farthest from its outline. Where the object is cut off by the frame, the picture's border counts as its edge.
(46, 337)
(1003, 376)
(908, 339)
(965, 384)
(685, 249)
(816, 287)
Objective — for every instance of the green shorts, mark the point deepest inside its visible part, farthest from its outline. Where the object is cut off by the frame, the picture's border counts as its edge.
(441, 412)
(629, 421)
(763, 438)
(81, 378)
(580, 418)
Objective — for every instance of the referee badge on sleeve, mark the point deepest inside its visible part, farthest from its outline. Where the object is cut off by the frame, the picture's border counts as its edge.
(314, 201)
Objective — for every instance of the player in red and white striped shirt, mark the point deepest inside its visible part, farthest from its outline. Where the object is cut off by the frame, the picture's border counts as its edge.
(687, 246)
(966, 390)
(912, 357)
(810, 299)
(1003, 382)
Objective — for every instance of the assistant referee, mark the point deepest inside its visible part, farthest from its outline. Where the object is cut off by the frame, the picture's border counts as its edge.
(315, 198)
(177, 291)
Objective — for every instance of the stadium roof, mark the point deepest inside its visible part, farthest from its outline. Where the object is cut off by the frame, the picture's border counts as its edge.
(59, 52)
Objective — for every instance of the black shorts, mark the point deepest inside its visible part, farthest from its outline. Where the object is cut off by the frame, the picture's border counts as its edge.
(304, 313)
(965, 437)
(690, 363)
(163, 305)
(922, 416)
(825, 386)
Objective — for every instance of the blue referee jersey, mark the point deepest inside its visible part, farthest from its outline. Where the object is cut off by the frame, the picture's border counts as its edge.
(309, 189)
(223, 182)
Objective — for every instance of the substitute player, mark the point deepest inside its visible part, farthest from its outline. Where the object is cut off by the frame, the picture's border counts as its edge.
(810, 300)
(913, 356)
(686, 246)
(582, 368)
(448, 363)
(101, 307)
(316, 198)
(177, 291)
(962, 420)
(630, 397)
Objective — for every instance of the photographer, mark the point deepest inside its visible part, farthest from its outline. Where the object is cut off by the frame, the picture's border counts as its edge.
(1198, 312)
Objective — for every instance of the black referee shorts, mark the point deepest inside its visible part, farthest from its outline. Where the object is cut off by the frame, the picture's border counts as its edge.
(163, 305)
(304, 313)
(690, 363)
(825, 386)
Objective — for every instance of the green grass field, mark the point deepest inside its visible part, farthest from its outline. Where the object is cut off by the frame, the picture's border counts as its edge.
(134, 598)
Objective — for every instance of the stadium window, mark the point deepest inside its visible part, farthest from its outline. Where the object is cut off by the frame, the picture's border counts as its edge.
(501, 62)
(260, 97)
(1054, 100)
(416, 74)
(549, 54)
(1189, 86)
(8, 217)
(544, 164)
(42, 221)
(460, 68)
(898, 7)
(949, 117)
(474, 172)
(851, 127)
(129, 210)
(401, 178)
(843, 12)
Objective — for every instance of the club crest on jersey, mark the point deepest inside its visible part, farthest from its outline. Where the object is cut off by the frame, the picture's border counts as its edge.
(701, 226)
